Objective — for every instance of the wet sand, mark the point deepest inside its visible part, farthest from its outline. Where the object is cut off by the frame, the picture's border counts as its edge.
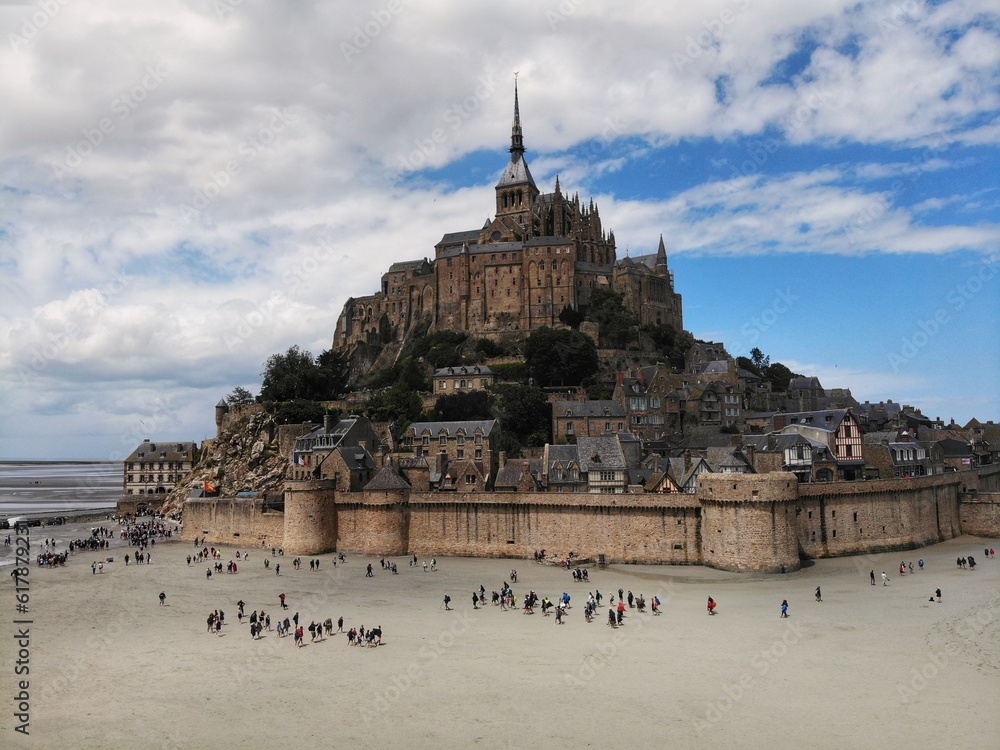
(870, 666)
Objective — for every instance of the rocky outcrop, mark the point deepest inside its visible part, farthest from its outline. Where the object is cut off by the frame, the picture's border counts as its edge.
(246, 457)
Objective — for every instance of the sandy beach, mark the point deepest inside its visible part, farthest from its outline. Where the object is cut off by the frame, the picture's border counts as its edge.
(869, 666)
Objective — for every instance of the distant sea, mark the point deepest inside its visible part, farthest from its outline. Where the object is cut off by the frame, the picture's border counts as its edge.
(58, 486)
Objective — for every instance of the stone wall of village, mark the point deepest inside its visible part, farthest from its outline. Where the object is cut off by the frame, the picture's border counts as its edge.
(741, 522)
(237, 522)
(623, 528)
(980, 509)
(846, 518)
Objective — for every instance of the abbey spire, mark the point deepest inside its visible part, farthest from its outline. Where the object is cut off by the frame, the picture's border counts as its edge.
(516, 137)
(516, 190)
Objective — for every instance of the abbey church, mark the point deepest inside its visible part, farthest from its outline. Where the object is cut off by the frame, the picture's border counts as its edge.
(541, 253)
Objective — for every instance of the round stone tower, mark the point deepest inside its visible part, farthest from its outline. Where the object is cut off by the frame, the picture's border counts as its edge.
(310, 517)
(748, 522)
(384, 516)
(221, 409)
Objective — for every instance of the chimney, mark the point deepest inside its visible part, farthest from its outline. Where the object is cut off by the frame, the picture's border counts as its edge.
(503, 458)
(687, 460)
(329, 422)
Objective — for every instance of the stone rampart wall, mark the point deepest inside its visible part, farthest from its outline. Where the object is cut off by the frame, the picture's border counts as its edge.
(981, 514)
(233, 521)
(845, 518)
(762, 522)
(498, 525)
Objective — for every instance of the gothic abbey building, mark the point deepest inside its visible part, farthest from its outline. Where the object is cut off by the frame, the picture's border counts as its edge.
(542, 252)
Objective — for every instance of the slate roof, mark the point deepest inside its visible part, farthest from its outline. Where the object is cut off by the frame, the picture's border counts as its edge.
(163, 450)
(452, 428)
(387, 479)
(641, 476)
(548, 240)
(473, 249)
(723, 458)
(600, 453)
(405, 265)
(814, 418)
(317, 437)
(514, 472)
(460, 238)
(718, 367)
(464, 370)
(586, 267)
(606, 408)
(355, 458)
(516, 173)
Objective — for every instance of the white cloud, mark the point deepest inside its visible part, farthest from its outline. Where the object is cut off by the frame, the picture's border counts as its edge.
(297, 155)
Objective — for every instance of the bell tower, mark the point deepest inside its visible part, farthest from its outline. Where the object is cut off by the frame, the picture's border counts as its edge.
(516, 190)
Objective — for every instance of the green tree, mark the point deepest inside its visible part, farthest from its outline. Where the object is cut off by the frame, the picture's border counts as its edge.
(617, 323)
(335, 369)
(523, 411)
(413, 376)
(461, 407)
(240, 396)
(571, 317)
(296, 375)
(675, 355)
(510, 372)
(298, 411)
(778, 375)
(671, 343)
(439, 349)
(560, 357)
(396, 404)
(759, 360)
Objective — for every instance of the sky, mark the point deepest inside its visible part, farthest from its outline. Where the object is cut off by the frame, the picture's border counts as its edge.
(189, 187)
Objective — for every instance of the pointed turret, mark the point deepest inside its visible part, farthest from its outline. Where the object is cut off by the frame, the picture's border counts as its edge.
(661, 255)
